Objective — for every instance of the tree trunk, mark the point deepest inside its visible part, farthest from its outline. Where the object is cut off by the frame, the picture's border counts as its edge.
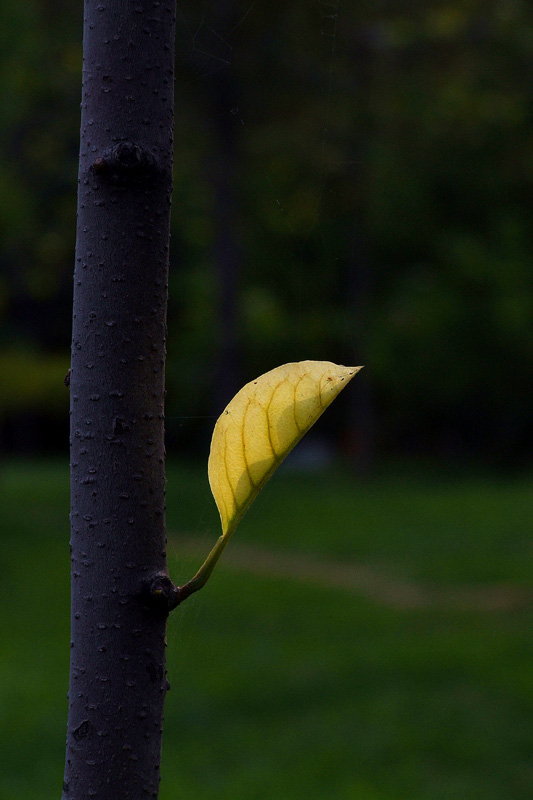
(117, 671)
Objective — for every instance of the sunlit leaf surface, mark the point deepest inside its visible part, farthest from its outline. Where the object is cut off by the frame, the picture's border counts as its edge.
(261, 425)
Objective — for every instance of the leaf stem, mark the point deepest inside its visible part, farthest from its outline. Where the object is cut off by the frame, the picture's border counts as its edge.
(204, 573)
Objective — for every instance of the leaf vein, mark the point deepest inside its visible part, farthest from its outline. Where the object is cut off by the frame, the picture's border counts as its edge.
(269, 430)
(295, 387)
(232, 490)
(243, 442)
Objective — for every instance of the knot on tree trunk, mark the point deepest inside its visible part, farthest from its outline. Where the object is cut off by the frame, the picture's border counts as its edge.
(126, 162)
(160, 594)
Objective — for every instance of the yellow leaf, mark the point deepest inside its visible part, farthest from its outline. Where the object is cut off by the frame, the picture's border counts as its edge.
(261, 425)
(253, 435)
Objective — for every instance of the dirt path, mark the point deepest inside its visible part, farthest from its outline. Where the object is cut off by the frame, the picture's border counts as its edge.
(371, 582)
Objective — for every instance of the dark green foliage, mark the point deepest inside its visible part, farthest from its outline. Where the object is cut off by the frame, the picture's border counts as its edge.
(383, 203)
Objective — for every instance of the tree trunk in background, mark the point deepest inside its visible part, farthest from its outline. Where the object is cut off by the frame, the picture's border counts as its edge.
(117, 677)
(221, 104)
(226, 252)
(360, 437)
(358, 277)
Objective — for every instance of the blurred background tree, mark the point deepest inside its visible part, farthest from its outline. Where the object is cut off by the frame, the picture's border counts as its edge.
(352, 182)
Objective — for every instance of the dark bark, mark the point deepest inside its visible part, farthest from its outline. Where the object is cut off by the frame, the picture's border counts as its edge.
(118, 677)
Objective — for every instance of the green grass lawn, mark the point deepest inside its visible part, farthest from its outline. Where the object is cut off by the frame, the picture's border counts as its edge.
(283, 689)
